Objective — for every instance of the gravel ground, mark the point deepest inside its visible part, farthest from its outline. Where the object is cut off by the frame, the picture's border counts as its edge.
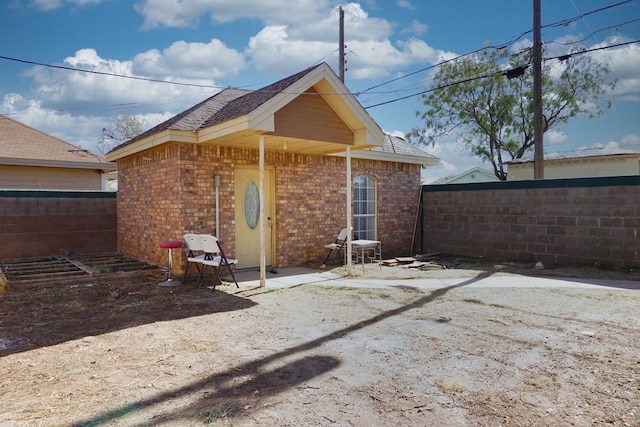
(129, 353)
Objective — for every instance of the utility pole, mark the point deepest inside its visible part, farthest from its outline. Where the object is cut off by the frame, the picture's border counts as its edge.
(538, 158)
(341, 50)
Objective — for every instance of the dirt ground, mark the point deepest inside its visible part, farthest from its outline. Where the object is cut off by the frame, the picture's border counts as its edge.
(126, 352)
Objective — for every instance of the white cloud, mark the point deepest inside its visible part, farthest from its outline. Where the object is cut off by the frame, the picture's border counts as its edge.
(454, 159)
(272, 52)
(295, 36)
(208, 61)
(631, 142)
(46, 5)
(555, 137)
(624, 63)
(405, 4)
(187, 13)
(64, 89)
(415, 27)
(83, 130)
(75, 106)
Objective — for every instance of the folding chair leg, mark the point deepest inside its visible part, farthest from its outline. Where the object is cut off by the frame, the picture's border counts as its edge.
(231, 272)
(224, 259)
(201, 276)
(186, 269)
(217, 279)
(184, 276)
(327, 257)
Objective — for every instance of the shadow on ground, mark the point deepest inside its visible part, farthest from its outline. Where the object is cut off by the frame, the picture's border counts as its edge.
(227, 389)
(48, 314)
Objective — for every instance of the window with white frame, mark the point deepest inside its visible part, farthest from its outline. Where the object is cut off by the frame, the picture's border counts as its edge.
(364, 207)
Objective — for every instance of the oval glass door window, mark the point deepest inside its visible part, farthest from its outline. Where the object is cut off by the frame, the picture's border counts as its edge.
(251, 204)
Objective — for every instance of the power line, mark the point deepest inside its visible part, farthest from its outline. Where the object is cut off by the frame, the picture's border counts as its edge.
(566, 22)
(102, 73)
(597, 31)
(499, 73)
(512, 41)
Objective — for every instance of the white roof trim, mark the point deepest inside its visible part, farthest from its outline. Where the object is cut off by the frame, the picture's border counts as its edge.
(11, 161)
(391, 157)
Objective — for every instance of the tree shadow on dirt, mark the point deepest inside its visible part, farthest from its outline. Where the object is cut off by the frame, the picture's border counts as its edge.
(46, 315)
(231, 387)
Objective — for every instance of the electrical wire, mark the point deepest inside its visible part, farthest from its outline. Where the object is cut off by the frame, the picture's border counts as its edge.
(501, 73)
(617, 26)
(102, 73)
(512, 41)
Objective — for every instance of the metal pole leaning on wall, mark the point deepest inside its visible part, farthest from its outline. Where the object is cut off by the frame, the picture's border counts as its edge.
(217, 178)
(415, 225)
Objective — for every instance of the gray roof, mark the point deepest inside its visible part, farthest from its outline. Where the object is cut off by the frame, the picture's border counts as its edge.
(576, 154)
(228, 104)
(397, 145)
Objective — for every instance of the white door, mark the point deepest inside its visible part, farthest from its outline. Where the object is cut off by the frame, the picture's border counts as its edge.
(247, 216)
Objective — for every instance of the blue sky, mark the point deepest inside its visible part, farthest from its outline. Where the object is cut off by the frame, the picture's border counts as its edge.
(251, 43)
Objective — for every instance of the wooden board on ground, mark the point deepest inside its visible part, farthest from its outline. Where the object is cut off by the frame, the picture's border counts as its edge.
(428, 257)
(79, 264)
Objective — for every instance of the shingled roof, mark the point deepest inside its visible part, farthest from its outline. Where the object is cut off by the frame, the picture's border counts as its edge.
(228, 104)
(25, 146)
(396, 149)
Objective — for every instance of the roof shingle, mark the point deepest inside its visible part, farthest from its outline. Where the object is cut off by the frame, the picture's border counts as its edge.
(21, 142)
(228, 104)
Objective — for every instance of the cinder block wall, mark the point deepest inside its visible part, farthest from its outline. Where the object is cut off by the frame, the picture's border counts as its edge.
(589, 221)
(169, 191)
(35, 223)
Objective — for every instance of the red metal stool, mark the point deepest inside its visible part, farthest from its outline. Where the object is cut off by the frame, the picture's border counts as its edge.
(170, 245)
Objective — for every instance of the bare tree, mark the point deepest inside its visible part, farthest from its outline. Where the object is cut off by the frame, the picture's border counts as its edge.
(123, 128)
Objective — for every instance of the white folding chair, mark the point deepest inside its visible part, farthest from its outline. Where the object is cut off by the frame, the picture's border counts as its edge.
(194, 256)
(214, 257)
(337, 246)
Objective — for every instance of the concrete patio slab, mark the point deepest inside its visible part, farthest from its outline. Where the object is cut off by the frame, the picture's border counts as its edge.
(296, 276)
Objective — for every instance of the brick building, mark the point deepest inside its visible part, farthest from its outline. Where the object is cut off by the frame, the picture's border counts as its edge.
(202, 170)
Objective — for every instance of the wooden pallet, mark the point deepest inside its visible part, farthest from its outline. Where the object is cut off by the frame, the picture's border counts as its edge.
(68, 268)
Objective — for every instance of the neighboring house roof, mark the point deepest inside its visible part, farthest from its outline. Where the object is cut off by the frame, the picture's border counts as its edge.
(237, 117)
(21, 145)
(583, 163)
(476, 174)
(576, 154)
(396, 149)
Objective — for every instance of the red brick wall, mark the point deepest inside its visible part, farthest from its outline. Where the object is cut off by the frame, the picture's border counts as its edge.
(573, 222)
(169, 191)
(35, 223)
